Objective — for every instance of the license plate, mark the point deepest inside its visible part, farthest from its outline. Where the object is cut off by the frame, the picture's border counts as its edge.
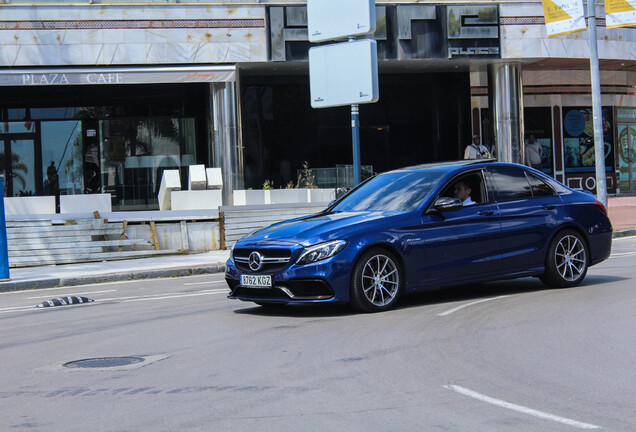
(261, 281)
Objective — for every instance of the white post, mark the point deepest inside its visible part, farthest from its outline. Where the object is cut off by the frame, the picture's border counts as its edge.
(597, 112)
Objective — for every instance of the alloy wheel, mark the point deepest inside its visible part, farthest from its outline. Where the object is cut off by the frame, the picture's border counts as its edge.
(570, 258)
(380, 280)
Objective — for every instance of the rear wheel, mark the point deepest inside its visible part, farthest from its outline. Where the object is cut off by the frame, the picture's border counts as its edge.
(567, 260)
(376, 281)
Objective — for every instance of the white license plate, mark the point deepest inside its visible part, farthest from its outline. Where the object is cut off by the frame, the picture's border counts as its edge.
(261, 281)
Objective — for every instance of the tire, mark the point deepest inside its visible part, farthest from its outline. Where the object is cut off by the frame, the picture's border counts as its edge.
(376, 281)
(567, 260)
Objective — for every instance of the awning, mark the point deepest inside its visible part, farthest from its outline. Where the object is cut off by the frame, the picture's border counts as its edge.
(116, 76)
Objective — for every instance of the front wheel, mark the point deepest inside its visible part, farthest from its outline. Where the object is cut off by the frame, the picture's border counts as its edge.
(376, 281)
(567, 260)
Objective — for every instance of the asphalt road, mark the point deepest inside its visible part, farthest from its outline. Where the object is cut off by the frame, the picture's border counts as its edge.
(506, 356)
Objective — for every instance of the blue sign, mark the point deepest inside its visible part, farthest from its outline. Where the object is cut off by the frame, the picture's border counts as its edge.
(4, 249)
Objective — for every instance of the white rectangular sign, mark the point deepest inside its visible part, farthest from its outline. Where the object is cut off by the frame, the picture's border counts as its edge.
(563, 16)
(335, 19)
(620, 13)
(344, 73)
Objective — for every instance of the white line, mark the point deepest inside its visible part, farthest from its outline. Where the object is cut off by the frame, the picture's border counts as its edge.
(16, 309)
(175, 296)
(206, 283)
(519, 408)
(448, 312)
(66, 295)
(162, 296)
(622, 254)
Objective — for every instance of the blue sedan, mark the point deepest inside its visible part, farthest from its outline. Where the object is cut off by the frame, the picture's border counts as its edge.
(425, 227)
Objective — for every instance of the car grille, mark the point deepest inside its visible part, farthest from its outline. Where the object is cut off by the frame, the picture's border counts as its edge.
(272, 259)
(297, 289)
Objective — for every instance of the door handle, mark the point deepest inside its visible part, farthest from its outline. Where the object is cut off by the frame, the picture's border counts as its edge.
(548, 207)
(485, 212)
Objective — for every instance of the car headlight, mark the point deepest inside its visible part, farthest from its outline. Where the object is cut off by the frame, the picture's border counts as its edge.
(321, 251)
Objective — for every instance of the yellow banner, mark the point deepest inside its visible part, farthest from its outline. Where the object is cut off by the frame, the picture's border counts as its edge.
(563, 16)
(620, 13)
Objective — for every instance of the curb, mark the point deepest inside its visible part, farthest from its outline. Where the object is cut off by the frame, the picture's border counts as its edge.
(624, 233)
(109, 277)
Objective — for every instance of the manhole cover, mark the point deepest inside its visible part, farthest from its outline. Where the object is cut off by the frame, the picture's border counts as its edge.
(104, 362)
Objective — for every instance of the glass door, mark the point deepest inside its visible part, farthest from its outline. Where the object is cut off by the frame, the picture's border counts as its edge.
(627, 156)
(18, 166)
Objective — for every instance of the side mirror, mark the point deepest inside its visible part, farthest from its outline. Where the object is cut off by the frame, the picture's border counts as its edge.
(446, 204)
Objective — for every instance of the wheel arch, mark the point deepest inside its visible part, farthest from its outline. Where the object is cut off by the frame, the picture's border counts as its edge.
(383, 246)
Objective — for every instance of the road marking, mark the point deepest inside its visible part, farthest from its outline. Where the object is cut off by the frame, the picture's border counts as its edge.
(16, 309)
(66, 295)
(519, 408)
(621, 254)
(164, 296)
(206, 283)
(448, 312)
(176, 296)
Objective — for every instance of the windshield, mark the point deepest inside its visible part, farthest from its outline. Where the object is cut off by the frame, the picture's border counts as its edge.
(396, 191)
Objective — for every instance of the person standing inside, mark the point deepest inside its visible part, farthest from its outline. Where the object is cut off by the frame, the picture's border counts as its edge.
(476, 150)
(534, 153)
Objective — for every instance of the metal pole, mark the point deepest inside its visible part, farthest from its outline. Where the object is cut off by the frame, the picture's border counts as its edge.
(597, 111)
(355, 134)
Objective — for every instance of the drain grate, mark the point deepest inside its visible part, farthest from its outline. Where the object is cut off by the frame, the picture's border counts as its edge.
(104, 362)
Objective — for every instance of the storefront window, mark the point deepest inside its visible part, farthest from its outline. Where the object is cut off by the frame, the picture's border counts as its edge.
(62, 157)
(538, 129)
(135, 152)
(578, 139)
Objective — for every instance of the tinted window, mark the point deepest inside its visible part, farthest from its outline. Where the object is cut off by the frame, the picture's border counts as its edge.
(398, 191)
(511, 184)
(539, 187)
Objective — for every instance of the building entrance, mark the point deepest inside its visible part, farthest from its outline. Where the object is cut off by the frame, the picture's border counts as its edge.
(627, 156)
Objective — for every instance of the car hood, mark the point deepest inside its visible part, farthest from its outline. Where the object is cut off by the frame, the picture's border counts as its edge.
(319, 227)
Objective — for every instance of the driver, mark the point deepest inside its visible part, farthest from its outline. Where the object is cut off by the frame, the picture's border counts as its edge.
(462, 191)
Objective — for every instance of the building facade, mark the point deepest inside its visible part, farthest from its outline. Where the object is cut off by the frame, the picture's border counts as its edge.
(104, 96)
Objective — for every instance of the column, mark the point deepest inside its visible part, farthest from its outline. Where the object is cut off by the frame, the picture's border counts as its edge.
(505, 97)
(227, 151)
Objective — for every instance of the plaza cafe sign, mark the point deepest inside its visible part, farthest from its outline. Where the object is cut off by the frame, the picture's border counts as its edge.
(53, 77)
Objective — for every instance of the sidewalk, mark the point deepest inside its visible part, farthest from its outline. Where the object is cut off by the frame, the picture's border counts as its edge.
(622, 212)
(106, 271)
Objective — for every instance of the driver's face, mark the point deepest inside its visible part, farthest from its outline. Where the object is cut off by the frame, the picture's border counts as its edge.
(461, 191)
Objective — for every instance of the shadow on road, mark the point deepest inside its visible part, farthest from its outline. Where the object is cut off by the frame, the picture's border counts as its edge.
(439, 296)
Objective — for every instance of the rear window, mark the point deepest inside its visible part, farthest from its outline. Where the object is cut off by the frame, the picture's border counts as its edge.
(511, 184)
(539, 187)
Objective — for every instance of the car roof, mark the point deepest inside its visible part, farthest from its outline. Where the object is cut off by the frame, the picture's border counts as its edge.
(444, 166)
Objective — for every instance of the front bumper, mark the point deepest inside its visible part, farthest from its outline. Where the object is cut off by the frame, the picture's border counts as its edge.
(323, 282)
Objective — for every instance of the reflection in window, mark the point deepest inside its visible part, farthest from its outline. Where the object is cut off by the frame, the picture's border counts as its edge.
(62, 157)
(511, 184)
(135, 152)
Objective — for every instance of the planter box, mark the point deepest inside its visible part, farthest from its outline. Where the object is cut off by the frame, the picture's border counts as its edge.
(29, 205)
(196, 199)
(87, 203)
(288, 196)
(250, 197)
(282, 196)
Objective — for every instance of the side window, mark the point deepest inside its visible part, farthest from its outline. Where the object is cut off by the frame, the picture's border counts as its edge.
(511, 184)
(539, 187)
(467, 185)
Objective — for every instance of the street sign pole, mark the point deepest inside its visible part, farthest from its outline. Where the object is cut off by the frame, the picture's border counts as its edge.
(355, 134)
(597, 110)
(4, 252)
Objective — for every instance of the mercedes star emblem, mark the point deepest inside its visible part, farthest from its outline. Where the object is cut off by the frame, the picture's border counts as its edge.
(255, 261)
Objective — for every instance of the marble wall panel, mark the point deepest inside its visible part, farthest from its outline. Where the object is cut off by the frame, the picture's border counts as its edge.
(8, 54)
(520, 9)
(114, 36)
